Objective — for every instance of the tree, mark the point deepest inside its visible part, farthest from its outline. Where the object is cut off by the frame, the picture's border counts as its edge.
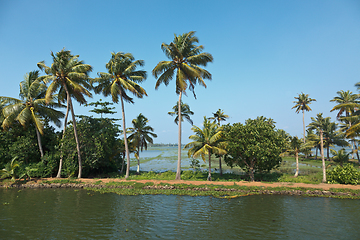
(122, 76)
(185, 61)
(340, 157)
(67, 75)
(302, 104)
(104, 109)
(295, 148)
(255, 146)
(185, 113)
(318, 124)
(219, 116)
(141, 135)
(332, 136)
(31, 107)
(206, 141)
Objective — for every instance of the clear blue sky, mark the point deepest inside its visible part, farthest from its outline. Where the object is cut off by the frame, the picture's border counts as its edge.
(265, 52)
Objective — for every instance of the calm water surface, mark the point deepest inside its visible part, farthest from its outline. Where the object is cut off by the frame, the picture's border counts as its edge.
(81, 214)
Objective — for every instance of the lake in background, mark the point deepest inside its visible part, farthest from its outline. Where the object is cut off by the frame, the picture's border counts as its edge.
(81, 214)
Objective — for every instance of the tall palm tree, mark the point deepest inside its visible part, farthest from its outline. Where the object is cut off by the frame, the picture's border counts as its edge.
(67, 76)
(302, 104)
(219, 116)
(206, 141)
(141, 135)
(318, 124)
(122, 76)
(347, 103)
(185, 112)
(31, 107)
(185, 60)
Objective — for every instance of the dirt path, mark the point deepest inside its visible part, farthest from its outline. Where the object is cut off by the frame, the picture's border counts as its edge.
(323, 186)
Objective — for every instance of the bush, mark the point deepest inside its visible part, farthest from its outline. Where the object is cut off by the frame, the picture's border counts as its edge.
(347, 174)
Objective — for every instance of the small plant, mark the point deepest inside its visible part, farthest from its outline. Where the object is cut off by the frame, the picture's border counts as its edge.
(195, 164)
(9, 170)
(346, 174)
(27, 173)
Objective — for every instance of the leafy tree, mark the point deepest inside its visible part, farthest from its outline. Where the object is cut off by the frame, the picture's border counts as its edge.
(255, 146)
(31, 107)
(104, 108)
(206, 141)
(318, 124)
(122, 76)
(100, 145)
(302, 104)
(141, 135)
(219, 116)
(185, 112)
(67, 75)
(185, 60)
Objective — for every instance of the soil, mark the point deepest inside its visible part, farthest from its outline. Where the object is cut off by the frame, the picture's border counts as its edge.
(323, 186)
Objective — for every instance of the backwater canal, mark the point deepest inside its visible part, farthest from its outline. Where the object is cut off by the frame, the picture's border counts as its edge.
(82, 214)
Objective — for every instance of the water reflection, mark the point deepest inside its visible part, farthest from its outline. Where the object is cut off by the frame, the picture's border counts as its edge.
(72, 214)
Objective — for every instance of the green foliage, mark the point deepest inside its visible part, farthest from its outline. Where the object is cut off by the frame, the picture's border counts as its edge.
(195, 164)
(255, 146)
(340, 157)
(100, 147)
(347, 174)
(10, 170)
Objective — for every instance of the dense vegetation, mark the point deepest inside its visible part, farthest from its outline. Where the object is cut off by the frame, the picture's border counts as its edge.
(90, 147)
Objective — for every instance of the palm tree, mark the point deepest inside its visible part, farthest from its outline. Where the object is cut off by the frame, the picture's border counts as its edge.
(67, 76)
(185, 58)
(206, 141)
(185, 112)
(302, 104)
(347, 103)
(141, 135)
(332, 136)
(122, 76)
(318, 125)
(295, 148)
(31, 107)
(219, 116)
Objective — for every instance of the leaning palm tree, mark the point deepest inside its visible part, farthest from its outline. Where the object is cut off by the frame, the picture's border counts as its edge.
(67, 76)
(122, 76)
(219, 116)
(318, 124)
(141, 135)
(185, 58)
(302, 104)
(206, 141)
(185, 113)
(31, 107)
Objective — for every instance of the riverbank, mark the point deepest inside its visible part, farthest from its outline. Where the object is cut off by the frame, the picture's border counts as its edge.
(193, 188)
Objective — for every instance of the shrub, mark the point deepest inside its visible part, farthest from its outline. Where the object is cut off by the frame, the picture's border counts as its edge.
(347, 174)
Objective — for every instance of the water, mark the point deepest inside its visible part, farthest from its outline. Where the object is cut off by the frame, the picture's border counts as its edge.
(81, 214)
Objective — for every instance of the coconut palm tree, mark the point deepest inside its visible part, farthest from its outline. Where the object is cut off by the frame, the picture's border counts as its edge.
(185, 60)
(332, 136)
(185, 112)
(318, 124)
(31, 107)
(206, 141)
(122, 76)
(302, 104)
(219, 116)
(141, 135)
(67, 76)
(295, 148)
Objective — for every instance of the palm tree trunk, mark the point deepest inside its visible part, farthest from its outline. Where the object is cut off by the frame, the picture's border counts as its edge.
(39, 142)
(357, 153)
(316, 152)
(322, 156)
(178, 170)
(63, 135)
(123, 163)
(75, 130)
(220, 166)
(297, 164)
(209, 176)
(328, 152)
(138, 161)
(125, 139)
